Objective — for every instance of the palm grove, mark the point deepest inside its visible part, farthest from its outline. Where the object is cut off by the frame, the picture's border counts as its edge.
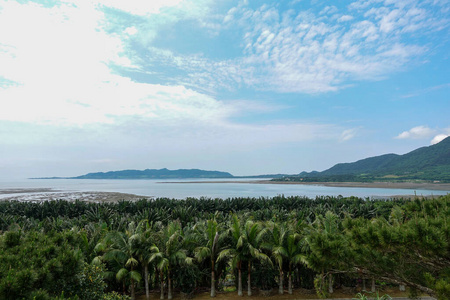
(79, 250)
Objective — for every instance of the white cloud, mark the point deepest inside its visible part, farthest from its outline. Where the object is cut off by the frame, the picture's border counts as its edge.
(345, 18)
(59, 58)
(418, 132)
(62, 66)
(282, 51)
(138, 7)
(307, 53)
(438, 138)
(131, 30)
(348, 134)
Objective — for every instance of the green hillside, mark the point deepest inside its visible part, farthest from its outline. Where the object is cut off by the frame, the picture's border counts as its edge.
(430, 163)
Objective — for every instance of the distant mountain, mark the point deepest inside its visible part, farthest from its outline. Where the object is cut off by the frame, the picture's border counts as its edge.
(426, 163)
(153, 174)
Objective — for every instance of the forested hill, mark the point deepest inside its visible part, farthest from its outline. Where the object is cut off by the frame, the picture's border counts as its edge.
(155, 174)
(426, 163)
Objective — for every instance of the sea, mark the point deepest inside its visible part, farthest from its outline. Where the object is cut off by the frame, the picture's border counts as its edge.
(214, 188)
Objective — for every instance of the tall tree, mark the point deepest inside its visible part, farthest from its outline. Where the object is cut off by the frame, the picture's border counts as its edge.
(146, 237)
(169, 253)
(276, 243)
(327, 248)
(122, 247)
(245, 247)
(211, 241)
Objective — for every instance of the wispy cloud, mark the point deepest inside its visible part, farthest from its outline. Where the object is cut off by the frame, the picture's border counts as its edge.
(426, 90)
(312, 53)
(307, 51)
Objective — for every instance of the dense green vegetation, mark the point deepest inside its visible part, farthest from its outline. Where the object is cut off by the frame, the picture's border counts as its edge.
(78, 250)
(427, 163)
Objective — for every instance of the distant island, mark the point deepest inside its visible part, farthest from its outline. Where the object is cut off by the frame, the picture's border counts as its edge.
(162, 174)
(429, 164)
(150, 174)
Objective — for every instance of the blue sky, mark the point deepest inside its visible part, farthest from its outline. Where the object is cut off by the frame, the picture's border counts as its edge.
(249, 87)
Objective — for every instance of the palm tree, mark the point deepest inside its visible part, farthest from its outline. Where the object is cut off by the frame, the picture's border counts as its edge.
(146, 236)
(245, 247)
(284, 244)
(169, 254)
(277, 245)
(211, 240)
(295, 255)
(122, 248)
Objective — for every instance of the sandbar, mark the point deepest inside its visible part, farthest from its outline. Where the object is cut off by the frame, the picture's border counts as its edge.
(384, 185)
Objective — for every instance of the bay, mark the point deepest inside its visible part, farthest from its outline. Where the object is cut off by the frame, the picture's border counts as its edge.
(214, 188)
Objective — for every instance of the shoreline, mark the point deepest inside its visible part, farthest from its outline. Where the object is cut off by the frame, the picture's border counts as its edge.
(49, 194)
(37, 195)
(385, 185)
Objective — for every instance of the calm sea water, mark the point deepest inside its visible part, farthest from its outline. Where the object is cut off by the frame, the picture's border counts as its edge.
(213, 189)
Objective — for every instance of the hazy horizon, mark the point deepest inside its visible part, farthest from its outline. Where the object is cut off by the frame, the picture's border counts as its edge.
(246, 87)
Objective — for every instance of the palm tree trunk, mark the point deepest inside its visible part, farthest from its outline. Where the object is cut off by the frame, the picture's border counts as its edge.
(239, 280)
(290, 281)
(133, 296)
(147, 292)
(169, 286)
(156, 280)
(373, 289)
(249, 290)
(213, 284)
(280, 287)
(330, 284)
(162, 286)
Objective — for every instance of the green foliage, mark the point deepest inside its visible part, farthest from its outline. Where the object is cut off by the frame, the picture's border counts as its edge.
(441, 285)
(320, 286)
(46, 248)
(38, 261)
(91, 282)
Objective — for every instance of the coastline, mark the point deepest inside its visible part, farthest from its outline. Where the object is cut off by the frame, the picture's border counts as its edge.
(49, 194)
(37, 195)
(386, 185)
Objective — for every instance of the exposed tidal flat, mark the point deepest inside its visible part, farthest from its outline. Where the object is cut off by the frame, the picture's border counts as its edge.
(114, 190)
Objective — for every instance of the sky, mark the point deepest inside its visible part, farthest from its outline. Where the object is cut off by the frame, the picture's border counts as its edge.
(248, 87)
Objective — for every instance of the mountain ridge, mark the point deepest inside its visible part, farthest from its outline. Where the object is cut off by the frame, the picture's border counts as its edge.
(425, 163)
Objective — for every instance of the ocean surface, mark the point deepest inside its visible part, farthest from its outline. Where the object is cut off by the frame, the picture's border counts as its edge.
(213, 189)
